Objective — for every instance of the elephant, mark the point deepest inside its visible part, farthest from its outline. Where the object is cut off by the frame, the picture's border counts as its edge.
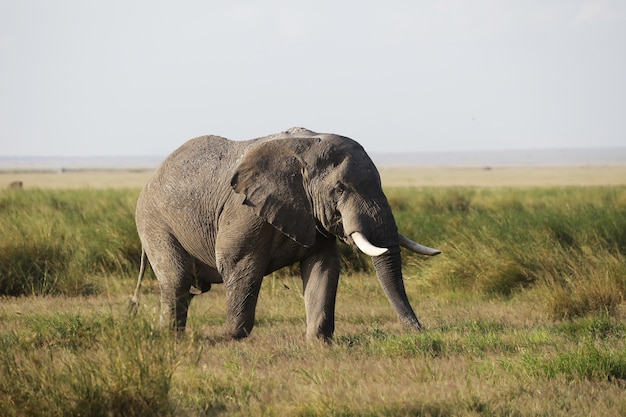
(232, 212)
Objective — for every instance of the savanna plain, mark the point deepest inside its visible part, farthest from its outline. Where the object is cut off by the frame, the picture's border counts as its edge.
(524, 312)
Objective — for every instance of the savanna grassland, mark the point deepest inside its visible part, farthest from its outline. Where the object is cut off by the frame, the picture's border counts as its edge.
(524, 312)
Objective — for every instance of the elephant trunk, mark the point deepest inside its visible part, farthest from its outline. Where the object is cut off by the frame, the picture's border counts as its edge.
(377, 235)
(389, 271)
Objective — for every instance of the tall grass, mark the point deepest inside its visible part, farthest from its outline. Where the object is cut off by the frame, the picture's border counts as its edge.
(524, 313)
(64, 241)
(93, 365)
(91, 359)
(565, 246)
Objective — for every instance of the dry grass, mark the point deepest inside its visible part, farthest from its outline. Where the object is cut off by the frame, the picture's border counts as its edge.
(525, 315)
(77, 179)
(503, 176)
(392, 177)
(498, 357)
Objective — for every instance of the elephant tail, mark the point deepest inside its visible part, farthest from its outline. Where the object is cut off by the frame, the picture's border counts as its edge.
(133, 304)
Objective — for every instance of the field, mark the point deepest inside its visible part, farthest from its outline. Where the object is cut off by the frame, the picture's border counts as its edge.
(391, 176)
(524, 310)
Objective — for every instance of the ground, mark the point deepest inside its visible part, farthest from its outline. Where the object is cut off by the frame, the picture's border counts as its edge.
(391, 177)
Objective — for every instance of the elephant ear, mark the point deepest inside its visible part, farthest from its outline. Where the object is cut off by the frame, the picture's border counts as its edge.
(271, 178)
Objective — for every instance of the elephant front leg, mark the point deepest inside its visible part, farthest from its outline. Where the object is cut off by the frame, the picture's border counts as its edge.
(320, 277)
(242, 293)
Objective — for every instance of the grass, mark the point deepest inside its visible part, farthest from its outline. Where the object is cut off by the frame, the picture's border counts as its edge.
(524, 311)
(565, 245)
(392, 176)
(63, 241)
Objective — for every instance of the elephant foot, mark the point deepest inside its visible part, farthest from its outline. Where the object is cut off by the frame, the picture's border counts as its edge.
(238, 332)
(238, 335)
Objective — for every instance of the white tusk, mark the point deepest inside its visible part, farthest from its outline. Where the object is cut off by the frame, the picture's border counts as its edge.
(416, 247)
(365, 246)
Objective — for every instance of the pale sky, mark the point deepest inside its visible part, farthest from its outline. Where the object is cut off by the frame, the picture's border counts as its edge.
(101, 78)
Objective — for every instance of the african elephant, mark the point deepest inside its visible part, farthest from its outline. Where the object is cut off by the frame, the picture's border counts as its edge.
(231, 212)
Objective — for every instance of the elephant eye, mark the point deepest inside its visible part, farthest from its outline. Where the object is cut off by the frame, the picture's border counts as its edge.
(339, 189)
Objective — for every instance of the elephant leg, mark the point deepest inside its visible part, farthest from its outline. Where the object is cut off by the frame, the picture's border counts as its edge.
(242, 294)
(172, 266)
(320, 277)
(242, 281)
(242, 256)
(175, 306)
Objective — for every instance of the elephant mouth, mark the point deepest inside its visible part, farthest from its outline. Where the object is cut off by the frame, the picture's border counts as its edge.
(322, 230)
(334, 227)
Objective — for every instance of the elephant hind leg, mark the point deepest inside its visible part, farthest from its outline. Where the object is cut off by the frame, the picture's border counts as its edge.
(173, 267)
(175, 307)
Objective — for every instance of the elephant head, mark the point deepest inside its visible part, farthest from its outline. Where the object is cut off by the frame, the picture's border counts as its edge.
(316, 184)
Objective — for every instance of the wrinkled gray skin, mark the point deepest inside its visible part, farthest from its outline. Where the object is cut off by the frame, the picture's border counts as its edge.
(221, 211)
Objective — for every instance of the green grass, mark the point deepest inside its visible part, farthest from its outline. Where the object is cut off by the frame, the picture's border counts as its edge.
(93, 364)
(64, 241)
(565, 245)
(524, 311)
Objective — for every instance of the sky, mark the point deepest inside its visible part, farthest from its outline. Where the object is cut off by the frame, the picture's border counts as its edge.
(140, 77)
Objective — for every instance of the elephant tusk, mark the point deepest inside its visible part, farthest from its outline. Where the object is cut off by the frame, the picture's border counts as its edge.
(416, 247)
(365, 246)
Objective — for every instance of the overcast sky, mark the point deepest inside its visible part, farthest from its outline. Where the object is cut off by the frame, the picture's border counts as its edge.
(139, 77)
